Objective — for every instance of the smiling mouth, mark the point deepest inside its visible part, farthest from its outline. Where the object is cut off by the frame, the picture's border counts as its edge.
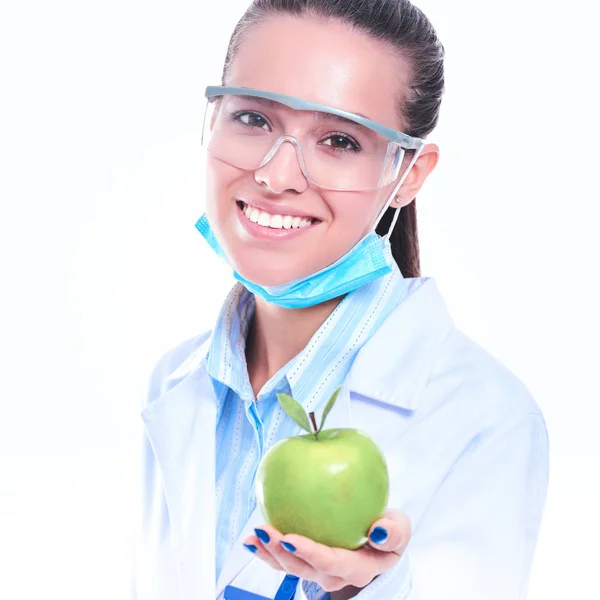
(274, 221)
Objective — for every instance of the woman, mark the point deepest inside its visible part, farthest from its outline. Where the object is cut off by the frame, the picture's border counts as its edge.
(316, 153)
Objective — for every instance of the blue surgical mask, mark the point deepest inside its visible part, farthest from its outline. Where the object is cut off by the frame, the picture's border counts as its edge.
(369, 259)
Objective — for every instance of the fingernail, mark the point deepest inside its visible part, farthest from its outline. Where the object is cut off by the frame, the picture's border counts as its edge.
(289, 547)
(251, 547)
(262, 535)
(379, 535)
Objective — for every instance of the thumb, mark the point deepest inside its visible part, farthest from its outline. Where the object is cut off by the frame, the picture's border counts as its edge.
(391, 533)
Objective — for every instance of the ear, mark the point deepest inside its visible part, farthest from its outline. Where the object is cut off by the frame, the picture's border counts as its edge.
(419, 172)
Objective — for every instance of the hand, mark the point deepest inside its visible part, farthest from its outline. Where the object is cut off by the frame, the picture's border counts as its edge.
(334, 568)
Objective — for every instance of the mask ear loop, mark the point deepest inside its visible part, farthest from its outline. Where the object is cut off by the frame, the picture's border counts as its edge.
(393, 194)
(204, 122)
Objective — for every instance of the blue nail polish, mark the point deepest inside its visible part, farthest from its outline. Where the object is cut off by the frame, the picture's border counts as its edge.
(289, 547)
(251, 547)
(262, 535)
(379, 535)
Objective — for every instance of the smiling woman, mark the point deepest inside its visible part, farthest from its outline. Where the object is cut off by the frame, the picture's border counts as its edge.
(351, 167)
(316, 149)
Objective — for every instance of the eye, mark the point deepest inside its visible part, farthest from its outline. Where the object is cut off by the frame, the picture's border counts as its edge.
(342, 142)
(251, 119)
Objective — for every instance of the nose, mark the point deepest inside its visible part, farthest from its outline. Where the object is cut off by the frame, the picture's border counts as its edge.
(281, 169)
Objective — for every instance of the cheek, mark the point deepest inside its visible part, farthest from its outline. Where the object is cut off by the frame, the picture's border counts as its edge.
(217, 183)
(354, 214)
(220, 180)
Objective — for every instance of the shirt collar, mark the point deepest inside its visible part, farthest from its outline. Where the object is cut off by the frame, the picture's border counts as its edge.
(325, 362)
(327, 356)
(226, 353)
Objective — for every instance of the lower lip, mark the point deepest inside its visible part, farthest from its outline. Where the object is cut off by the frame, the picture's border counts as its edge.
(270, 233)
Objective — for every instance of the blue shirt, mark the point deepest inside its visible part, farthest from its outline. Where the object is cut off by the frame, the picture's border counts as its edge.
(247, 426)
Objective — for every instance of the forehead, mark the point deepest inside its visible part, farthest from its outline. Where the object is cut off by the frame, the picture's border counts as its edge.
(326, 62)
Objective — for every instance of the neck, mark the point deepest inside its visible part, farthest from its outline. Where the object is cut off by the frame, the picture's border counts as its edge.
(278, 334)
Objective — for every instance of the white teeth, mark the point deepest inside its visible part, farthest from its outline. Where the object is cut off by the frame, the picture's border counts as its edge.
(275, 221)
(264, 219)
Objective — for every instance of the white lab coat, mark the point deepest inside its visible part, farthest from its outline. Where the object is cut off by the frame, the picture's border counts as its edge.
(466, 448)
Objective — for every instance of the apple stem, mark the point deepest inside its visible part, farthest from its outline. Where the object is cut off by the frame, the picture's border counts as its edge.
(314, 424)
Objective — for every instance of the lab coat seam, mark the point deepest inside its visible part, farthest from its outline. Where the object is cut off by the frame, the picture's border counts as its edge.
(434, 351)
(536, 496)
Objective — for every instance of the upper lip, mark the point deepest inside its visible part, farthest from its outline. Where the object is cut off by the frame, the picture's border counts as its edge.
(275, 208)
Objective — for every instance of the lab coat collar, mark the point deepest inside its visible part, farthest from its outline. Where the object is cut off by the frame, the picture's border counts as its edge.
(394, 364)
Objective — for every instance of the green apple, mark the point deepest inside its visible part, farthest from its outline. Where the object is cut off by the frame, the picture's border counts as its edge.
(328, 485)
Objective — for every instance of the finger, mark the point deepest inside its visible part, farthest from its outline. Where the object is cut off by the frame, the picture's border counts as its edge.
(285, 555)
(270, 540)
(254, 545)
(352, 567)
(391, 533)
(289, 557)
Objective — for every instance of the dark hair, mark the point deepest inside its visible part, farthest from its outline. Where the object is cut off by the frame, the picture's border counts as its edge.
(405, 28)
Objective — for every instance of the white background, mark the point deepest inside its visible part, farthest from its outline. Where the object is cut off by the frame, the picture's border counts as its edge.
(103, 271)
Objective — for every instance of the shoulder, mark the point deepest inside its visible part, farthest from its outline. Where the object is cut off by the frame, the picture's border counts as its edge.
(418, 360)
(176, 364)
(467, 379)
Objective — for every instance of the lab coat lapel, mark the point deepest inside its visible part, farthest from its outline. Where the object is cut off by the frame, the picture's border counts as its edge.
(395, 363)
(262, 579)
(340, 415)
(181, 427)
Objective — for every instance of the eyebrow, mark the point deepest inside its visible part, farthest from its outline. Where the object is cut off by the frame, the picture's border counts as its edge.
(319, 115)
(322, 116)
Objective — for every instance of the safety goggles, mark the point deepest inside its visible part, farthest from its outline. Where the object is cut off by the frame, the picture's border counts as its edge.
(336, 149)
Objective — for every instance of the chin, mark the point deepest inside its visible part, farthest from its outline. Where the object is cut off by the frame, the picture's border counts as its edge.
(272, 267)
(268, 270)
(269, 277)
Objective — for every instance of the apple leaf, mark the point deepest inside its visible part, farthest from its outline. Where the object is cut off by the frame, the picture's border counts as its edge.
(295, 411)
(329, 406)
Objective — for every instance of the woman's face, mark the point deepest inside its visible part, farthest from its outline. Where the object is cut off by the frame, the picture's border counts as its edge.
(326, 63)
